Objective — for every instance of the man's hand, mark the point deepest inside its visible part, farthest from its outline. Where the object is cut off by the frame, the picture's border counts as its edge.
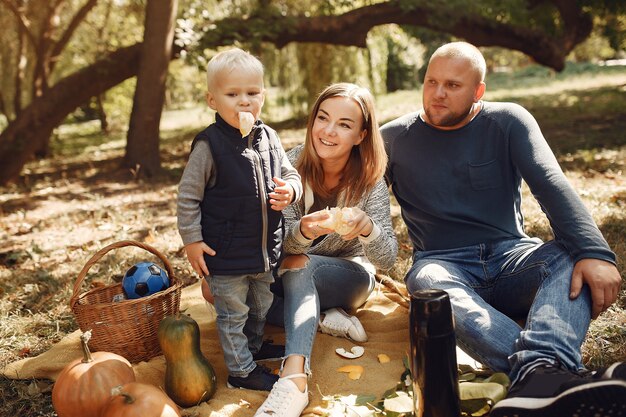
(603, 280)
(195, 254)
(282, 195)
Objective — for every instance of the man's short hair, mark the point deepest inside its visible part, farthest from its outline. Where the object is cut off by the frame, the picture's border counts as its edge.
(230, 60)
(463, 50)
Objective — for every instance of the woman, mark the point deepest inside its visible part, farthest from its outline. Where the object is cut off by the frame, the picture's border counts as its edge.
(341, 163)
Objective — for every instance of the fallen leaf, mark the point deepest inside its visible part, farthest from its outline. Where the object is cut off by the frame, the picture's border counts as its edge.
(25, 351)
(402, 403)
(354, 371)
(382, 358)
(33, 389)
(355, 352)
(358, 411)
(150, 237)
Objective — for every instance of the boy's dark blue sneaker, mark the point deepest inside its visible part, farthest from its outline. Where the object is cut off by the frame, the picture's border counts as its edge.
(260, 379)
(551, 390)
(269, 352)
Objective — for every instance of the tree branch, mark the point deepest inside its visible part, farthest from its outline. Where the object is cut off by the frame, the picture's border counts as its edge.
(21, 21)
(577, 24)
(351, 29)
(71, 28)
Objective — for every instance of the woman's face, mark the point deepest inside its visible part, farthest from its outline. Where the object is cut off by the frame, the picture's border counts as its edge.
(338, 126)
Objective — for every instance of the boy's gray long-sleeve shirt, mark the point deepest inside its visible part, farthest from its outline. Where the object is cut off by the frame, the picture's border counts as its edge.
(200, 172)
(462, 187)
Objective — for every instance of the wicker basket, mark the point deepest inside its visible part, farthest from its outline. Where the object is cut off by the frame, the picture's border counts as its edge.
(128, 328)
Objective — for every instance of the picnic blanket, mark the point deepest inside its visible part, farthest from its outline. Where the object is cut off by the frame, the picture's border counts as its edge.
(384, 317)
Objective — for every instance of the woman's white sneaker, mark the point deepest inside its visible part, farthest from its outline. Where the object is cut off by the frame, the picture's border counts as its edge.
(285, 399)
(337, 322)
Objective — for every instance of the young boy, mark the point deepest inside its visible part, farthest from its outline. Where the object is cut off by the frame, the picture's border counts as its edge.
(230, 198)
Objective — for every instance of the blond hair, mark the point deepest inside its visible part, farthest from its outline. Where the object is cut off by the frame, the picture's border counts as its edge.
(230, 60)
(466, 51)
(367, 161)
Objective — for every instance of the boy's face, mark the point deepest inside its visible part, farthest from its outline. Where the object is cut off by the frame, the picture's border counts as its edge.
(235, 91)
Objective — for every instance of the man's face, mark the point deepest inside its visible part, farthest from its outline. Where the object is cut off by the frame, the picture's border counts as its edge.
(451, 87)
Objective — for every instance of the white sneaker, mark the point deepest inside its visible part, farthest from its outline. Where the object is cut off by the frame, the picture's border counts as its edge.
(339, 323)
(285, 399)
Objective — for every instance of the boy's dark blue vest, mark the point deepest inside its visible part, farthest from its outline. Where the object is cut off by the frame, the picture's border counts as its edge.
(237, 220)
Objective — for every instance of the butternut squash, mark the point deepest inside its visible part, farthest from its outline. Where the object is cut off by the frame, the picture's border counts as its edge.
(189, 377)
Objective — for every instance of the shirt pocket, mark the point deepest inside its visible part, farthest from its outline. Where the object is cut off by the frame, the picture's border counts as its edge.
(485, 175)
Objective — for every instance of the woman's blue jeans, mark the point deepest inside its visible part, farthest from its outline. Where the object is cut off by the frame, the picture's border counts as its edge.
(324, 282)
(493, 285)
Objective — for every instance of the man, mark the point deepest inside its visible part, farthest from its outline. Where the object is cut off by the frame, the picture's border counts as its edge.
(456, 168)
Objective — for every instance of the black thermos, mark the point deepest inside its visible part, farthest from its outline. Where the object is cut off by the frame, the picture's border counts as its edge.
(433, 352)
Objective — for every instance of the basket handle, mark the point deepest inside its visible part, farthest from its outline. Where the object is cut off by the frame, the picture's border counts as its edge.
(98, 255)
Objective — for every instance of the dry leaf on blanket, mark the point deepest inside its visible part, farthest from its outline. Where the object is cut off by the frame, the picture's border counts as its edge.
(382, 358)
(354, 371)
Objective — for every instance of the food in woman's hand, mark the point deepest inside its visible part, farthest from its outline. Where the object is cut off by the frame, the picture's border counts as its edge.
(338, 219)
(246, 121)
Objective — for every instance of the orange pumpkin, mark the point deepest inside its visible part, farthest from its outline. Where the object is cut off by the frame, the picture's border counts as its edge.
(136, 399)
(84, 385)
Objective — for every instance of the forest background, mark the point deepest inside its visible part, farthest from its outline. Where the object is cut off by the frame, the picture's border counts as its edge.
(99, 101)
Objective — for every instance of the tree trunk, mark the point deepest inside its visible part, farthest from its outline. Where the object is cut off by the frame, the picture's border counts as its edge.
(142, 145)
(31, 129)
(102, 114)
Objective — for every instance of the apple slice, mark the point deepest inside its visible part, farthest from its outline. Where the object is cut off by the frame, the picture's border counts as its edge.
(246, 121)
(355, 352)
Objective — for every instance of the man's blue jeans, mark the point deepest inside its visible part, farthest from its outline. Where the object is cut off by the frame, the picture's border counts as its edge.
(241, 304)
(493, 285)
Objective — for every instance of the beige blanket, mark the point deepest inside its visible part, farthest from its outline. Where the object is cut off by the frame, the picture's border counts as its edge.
(384, 319)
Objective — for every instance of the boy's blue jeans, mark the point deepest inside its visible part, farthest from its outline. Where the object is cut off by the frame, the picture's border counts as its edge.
(493, 285)
(241, 304)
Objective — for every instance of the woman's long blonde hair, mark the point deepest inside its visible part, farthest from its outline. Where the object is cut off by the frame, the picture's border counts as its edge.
(368, 160)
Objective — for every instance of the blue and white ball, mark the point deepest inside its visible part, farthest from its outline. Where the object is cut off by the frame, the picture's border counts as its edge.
(143, 279)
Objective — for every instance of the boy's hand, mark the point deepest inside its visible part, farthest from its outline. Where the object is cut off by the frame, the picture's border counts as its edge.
(282, 195)
(195, 254)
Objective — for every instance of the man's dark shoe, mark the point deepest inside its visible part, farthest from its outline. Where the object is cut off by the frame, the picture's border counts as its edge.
(615, 371)
(550, 390)
(260, 379)
(269, 352)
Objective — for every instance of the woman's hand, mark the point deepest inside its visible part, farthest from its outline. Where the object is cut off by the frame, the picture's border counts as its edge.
(309, 225)
(361, 225)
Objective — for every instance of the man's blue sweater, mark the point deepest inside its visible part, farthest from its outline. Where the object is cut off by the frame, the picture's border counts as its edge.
(463, 187)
